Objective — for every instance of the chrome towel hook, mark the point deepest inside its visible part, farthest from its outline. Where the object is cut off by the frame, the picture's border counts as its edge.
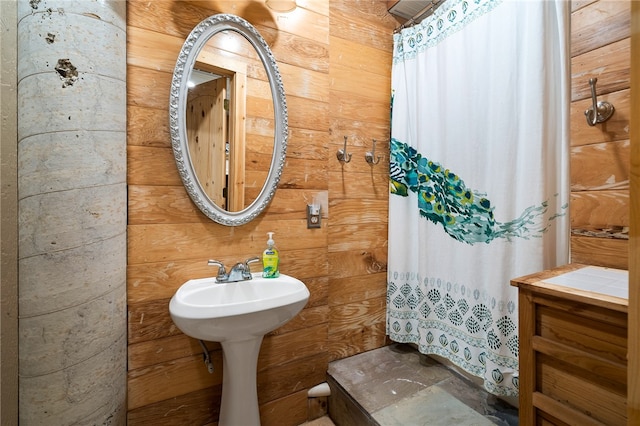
(370, 155)
(599, 112)
(342, 153)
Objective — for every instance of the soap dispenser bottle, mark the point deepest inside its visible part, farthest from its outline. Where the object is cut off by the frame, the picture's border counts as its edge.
(270, 259)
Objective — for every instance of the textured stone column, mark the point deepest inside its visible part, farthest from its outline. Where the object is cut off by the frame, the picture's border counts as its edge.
(8, 215)
(72, 211)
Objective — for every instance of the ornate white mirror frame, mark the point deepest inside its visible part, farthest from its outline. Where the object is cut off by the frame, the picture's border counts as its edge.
(191, 48)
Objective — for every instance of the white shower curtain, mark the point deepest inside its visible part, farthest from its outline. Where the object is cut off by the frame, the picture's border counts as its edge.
(478, 176)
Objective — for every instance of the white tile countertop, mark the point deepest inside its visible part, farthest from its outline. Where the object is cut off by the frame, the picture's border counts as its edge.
(609, 281)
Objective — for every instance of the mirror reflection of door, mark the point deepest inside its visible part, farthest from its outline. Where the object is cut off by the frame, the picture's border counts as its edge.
(207, 132)
(230, 121)
(216, 129)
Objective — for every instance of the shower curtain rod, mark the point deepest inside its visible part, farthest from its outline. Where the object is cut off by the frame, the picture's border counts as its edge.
(424, 12)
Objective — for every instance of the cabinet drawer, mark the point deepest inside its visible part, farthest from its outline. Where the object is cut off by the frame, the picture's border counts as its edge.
(606, 340)
(578, 389)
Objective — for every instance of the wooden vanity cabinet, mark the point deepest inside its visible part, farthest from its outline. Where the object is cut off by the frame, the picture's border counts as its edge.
(573, 354)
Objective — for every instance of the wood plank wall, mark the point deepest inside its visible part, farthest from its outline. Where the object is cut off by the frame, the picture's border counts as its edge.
(360, 53)
(600, 155)
(633, 373)
(335, 61)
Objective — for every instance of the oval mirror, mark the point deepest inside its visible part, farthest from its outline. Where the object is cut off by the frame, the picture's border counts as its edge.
(228, 119)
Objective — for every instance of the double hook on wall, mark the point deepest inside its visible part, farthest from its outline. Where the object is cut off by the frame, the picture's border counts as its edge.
(599, 112)
(369, 156)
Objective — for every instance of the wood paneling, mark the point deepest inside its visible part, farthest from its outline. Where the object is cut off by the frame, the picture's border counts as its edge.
(612, 253)
(609, 63)
(147, 127)
(588, 32)
(164, 350)
(633, 401)
(603, 166)
(335, 61)
(357, 327)
(600, 154)
(360, 74)
(292, 410)
(160, 382)
(593, 210)
(195, 408)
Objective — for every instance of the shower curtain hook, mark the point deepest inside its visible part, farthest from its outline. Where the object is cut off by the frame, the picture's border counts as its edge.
(342, 153)
(599, 112)
(370, 155)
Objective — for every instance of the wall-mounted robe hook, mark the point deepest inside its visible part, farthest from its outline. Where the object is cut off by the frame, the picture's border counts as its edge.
(599, 112)
(370, 155)
(342, 153)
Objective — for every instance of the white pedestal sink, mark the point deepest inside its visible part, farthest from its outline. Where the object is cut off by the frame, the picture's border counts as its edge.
(237, 315)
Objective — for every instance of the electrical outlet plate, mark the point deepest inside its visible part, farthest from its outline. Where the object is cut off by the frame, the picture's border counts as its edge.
(314, 217)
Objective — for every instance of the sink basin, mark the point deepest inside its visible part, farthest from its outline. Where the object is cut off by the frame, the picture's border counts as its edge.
(219, 312)
(237, 315)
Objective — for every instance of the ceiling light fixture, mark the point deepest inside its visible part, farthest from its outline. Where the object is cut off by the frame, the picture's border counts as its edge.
(281, 5)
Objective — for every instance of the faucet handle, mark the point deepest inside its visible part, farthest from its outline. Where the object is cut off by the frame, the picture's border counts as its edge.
(246, 264)
(222, 272)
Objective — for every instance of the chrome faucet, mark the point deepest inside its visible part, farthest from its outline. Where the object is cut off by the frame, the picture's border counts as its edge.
(239, 272)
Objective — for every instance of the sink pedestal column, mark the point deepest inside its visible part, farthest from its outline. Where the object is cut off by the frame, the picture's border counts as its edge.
(239, 405)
